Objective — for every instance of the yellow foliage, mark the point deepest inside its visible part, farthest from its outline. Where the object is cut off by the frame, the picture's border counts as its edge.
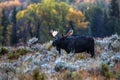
(48, 1)
(71, 10)
(54, 11)
(75, 13)
(20, 14)
(32, 6)
(37, 11)
(77, 17)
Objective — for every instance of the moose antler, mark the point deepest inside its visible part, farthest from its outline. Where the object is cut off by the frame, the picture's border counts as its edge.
(69, 33)
(54, 33)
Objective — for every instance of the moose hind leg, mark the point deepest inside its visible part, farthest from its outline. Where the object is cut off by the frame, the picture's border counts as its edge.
(92, 53)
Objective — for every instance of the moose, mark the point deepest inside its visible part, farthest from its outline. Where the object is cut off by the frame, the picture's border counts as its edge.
(73, 44)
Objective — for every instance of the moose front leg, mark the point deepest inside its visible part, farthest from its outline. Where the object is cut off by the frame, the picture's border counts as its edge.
(72, 50)
(71, 53)
(59, 50)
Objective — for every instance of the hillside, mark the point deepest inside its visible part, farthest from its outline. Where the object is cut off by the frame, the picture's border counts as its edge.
(42, 61)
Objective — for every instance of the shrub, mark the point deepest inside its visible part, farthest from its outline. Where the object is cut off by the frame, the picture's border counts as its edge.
(67, 75)
(80, 56)
(3, 51)
(49, 47)
(13, 56)
(105, 70)
(105, 67)
(21, 51)
(117, 75)
(17, 53)
(107, 74)
(38, 76)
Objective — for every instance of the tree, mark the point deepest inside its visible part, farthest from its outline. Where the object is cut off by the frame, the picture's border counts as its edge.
(97, 18)
(1, 27)
(14, 38)
(83, 6)
(1, 37)
(44, 16)
(4, 23)
(114, 17)
(114, 9)
(49, 14)
(76, 20)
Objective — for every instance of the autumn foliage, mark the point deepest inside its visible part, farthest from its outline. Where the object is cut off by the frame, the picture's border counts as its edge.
(77, 17)
(50, 14)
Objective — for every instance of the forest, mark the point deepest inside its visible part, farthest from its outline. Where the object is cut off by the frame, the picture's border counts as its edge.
(24, 19)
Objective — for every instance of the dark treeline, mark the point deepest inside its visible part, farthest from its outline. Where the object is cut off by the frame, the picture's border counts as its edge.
(20, 23)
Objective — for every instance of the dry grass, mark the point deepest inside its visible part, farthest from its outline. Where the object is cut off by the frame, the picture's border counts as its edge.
(35, 75)
(94, 74)
(80, 56)
(24, 77)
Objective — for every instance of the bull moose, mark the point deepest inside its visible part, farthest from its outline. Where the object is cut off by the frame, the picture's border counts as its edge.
(74, 44)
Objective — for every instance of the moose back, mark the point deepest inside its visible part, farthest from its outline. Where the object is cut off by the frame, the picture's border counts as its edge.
(74, 44)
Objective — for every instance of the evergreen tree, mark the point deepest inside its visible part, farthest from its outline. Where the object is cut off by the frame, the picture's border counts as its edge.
(4, 23)
(114, 21)
(96, 17)
(14, 38)
(114, 9)
(1, 35)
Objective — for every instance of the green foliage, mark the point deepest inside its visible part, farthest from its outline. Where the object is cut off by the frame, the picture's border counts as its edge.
(105, 67)
(13, 56)
(84, 6)
(105, 71)
(97, 18)
(38, 76)
(114, 17)
(47, 15)
(13, 37)
(67, 75)
(1, 37)
(17, 53)
(4, 23)
(107, 74)
(21, 51)
(114, 9)
(44, 16)
(117, 75)
(3, 51)
(5, 28)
